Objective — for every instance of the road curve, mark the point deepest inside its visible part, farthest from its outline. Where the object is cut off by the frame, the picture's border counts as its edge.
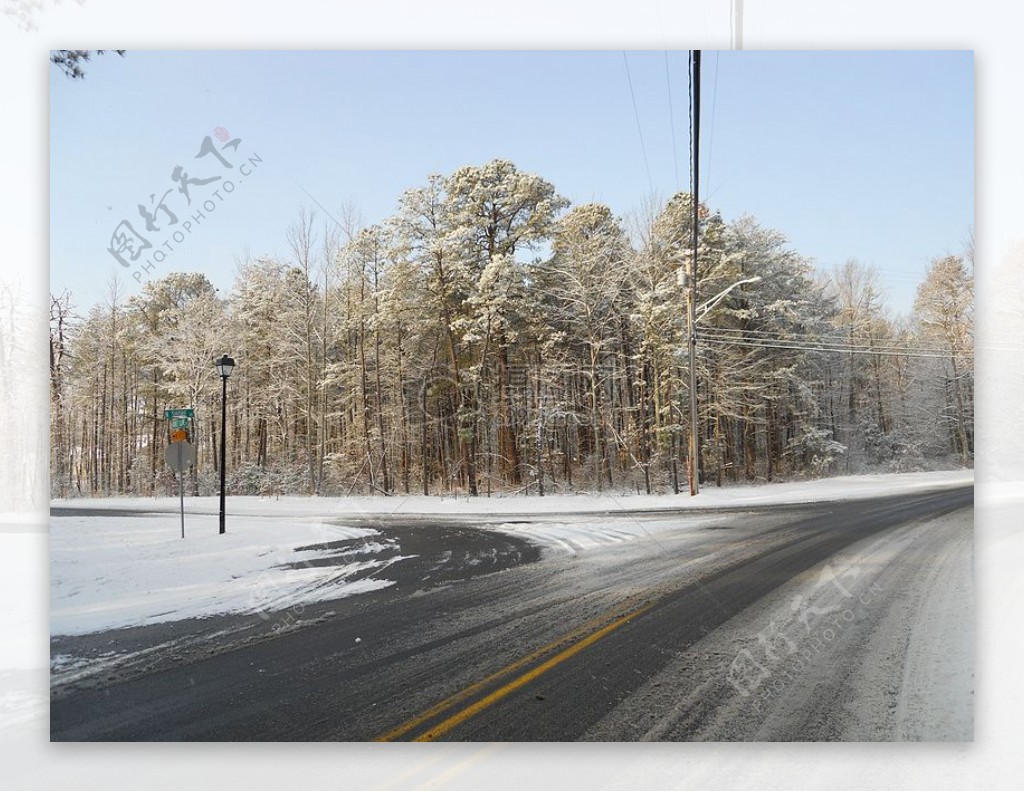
(640, 642)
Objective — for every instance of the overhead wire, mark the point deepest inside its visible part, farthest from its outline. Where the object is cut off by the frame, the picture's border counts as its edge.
(844, 338)
(711, 131)
(672, 120)
(796, 336)
(838, 332)
(639, 129)
(824, 347)
(799, 341)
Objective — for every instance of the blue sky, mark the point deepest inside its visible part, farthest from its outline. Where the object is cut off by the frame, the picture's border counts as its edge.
(865, 155)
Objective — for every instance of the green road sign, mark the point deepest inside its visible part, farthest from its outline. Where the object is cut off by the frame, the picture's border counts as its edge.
(179, 423)
(186, 412)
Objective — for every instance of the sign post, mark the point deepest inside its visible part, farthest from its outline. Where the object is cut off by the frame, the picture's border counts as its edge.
(180, 453)
(179, 456)
(181, 483)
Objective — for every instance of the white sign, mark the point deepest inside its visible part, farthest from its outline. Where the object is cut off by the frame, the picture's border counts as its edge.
(180, 456)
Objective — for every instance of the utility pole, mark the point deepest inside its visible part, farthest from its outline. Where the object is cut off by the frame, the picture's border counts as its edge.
(691, 313)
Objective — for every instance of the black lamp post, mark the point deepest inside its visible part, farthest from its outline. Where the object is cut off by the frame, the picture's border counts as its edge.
(224, 367)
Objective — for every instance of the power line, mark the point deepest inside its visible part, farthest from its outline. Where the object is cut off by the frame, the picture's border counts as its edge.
(841, 339)
(711, 131)
(821, 345)
(672, 121)
(636, 114)
(834, 350)
(830, 349)
(810, 338)
(838, 333)
(730, 333)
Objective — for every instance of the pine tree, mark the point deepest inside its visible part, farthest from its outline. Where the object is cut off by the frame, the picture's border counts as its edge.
(944, 307)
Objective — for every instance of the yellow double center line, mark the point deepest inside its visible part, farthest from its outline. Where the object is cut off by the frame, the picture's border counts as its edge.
(579, 639)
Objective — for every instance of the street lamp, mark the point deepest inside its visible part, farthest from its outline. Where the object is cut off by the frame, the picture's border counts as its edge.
(707, 306)
(224, 367)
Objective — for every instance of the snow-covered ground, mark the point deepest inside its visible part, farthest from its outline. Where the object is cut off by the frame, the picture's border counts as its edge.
(126, 571)
(885, 628)
(130, 570)
(840, 488)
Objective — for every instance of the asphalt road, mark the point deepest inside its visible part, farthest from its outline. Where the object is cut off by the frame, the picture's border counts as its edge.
(482, 640)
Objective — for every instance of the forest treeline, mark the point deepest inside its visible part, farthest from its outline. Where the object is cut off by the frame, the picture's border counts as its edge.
(492, 337)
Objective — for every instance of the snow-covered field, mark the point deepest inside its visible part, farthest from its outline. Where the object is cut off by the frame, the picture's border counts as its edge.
(129, 570)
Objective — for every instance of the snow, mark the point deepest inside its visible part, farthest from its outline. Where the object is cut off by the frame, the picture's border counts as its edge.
(134, 569)
(109, 572)
(583, 535)
(885, 627)
(832, 489)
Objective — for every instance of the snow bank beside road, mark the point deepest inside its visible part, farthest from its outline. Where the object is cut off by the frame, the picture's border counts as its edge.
(109, 572)
(841, 488)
